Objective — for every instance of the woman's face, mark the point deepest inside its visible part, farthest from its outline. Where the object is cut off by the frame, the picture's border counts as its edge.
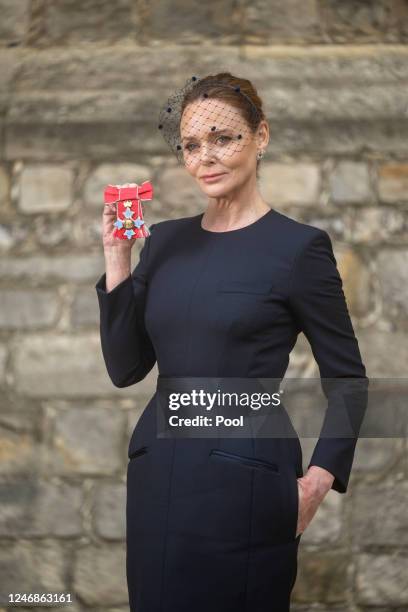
(216, 139)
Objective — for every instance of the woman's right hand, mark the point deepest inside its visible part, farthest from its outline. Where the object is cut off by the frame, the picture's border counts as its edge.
(117, 251)
(123, 247)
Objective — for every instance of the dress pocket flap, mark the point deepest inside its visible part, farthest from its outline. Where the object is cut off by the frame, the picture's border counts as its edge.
(137, 452)
(252, 462)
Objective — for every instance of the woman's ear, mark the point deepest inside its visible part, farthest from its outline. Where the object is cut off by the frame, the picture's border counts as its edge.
(263, 134)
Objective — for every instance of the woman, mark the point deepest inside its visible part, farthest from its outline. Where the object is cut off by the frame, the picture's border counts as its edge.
(223, 293)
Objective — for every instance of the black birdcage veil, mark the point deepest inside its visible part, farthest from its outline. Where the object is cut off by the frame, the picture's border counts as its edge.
(203, 126)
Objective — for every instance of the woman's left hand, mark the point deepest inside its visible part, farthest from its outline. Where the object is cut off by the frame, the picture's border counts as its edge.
(312, 488)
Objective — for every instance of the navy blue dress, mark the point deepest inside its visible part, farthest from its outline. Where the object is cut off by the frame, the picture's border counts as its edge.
(206, 533)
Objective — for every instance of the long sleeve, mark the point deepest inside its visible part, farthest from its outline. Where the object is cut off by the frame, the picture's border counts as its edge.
(319, 306)
(127, 349)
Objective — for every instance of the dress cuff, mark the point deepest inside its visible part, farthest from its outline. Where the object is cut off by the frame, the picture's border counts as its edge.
(101, 285)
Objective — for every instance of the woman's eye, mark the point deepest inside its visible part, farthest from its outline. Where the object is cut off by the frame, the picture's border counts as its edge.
(224, 139)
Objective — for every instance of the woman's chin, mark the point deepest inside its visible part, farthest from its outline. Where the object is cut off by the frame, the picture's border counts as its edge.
(215, 189)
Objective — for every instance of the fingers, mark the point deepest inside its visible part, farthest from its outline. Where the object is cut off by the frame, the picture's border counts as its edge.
(109, 209)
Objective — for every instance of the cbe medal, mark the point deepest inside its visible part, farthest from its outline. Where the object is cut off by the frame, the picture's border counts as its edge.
(129, 213)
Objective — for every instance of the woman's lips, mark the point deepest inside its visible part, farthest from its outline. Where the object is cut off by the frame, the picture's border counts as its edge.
(212, 179)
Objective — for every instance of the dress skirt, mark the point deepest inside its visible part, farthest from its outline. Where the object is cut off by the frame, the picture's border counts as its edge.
(209, 530)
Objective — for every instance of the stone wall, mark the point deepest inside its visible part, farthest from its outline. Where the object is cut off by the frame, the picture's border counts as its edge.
(80, 85)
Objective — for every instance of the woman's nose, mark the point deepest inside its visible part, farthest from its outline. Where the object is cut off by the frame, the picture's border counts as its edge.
(207, 152)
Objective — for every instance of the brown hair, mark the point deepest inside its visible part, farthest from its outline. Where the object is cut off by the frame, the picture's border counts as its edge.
(239, 93)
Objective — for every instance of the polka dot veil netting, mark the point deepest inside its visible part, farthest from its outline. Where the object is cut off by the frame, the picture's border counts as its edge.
(204, 120)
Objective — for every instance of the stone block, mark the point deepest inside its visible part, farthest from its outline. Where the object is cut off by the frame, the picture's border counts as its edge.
(36, 508)
(109, 511)
(100, 575)
(87, 441)
(25, 309)
(381, 579)
(45, 188)
(297, 183)
(350, 183)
